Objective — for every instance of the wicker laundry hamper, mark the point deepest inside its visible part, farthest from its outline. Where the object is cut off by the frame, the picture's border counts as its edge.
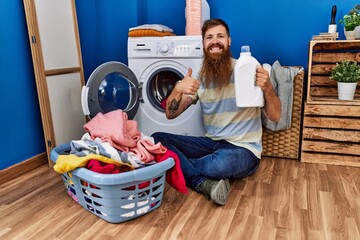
(286, 143)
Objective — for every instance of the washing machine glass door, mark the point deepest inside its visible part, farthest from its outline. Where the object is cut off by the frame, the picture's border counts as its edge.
(160, 85)
(111, 86)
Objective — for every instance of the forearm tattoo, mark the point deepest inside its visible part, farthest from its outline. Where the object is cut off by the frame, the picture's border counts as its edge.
(174, 106)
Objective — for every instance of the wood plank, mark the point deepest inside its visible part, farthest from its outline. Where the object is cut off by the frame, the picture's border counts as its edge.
(322, 158)
(331, 134)
(329, 91)
(324, 91)
(332, 123)
(322, 81)
(331, 147)
(335, 45)
(332, 101)
(331, 57)
(332, 110)
(322, 69)
(58, 71)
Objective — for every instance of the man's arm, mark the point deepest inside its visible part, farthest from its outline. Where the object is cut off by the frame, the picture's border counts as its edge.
(175, 107)
(179, 99)
(272, 102)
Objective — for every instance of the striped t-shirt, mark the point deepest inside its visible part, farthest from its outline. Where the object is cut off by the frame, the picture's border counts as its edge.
(223, 120)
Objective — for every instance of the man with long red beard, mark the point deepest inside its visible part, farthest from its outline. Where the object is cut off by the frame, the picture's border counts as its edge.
(232, 145)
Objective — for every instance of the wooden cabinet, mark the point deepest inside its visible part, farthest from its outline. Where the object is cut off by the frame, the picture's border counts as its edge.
(331, 127)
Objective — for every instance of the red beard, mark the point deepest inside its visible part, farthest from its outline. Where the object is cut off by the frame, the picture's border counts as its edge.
(217, 68)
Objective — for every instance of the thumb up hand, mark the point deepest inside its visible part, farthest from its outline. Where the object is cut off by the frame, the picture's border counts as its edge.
(188, 85)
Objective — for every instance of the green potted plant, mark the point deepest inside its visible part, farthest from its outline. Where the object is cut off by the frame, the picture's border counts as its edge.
(347, 75)
(351, 22)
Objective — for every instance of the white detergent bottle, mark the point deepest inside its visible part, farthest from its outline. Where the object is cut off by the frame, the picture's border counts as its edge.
(247, 93)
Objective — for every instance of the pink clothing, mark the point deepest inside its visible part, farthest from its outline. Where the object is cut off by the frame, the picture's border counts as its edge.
(123, 134)
(115, 128)
(146, 148)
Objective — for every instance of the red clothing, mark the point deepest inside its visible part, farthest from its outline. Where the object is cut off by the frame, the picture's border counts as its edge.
(107, 168)
(174, 176)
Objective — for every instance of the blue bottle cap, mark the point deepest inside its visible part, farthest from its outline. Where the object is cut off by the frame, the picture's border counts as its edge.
(245, 48)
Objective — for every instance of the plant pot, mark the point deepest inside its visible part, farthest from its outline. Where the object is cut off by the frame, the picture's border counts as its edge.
(346, 91)
(350, 35)
(357, 32)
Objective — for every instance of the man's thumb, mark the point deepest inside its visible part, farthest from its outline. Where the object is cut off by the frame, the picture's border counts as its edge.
(189, 73)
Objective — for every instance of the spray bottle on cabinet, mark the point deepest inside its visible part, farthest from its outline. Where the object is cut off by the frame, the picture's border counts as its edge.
(247, 93)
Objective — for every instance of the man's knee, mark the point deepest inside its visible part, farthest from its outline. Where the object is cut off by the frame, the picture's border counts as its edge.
(156, 136)
(159, 136)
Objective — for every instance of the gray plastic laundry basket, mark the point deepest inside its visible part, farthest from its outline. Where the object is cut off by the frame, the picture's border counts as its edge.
(116, 197)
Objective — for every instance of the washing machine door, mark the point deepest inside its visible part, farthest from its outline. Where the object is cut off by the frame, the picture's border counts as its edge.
(111, 86)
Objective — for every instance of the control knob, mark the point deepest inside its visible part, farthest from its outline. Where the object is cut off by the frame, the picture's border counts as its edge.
(164, 48)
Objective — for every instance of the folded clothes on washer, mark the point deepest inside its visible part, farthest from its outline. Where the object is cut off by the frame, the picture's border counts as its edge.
(157, 27)
(150, 30)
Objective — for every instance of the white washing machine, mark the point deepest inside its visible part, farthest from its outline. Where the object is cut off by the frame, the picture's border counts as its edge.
(155, 65)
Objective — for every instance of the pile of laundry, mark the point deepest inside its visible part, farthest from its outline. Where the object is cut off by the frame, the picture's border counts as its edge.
(113, 144)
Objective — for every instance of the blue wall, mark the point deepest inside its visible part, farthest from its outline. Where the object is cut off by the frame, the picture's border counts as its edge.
(103, 27)
(275, 30)
(20, 122)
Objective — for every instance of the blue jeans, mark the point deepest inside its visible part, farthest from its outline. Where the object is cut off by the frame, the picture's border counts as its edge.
(202, 157)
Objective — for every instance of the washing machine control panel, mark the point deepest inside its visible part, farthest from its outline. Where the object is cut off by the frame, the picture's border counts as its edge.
(168, 47)
(173, 49)
(188, 49)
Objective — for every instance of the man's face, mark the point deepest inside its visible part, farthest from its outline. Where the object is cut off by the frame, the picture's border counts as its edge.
(216, 41)
(217, 66)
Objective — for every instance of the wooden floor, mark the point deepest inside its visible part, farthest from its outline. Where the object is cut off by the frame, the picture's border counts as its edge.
(285, 199)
